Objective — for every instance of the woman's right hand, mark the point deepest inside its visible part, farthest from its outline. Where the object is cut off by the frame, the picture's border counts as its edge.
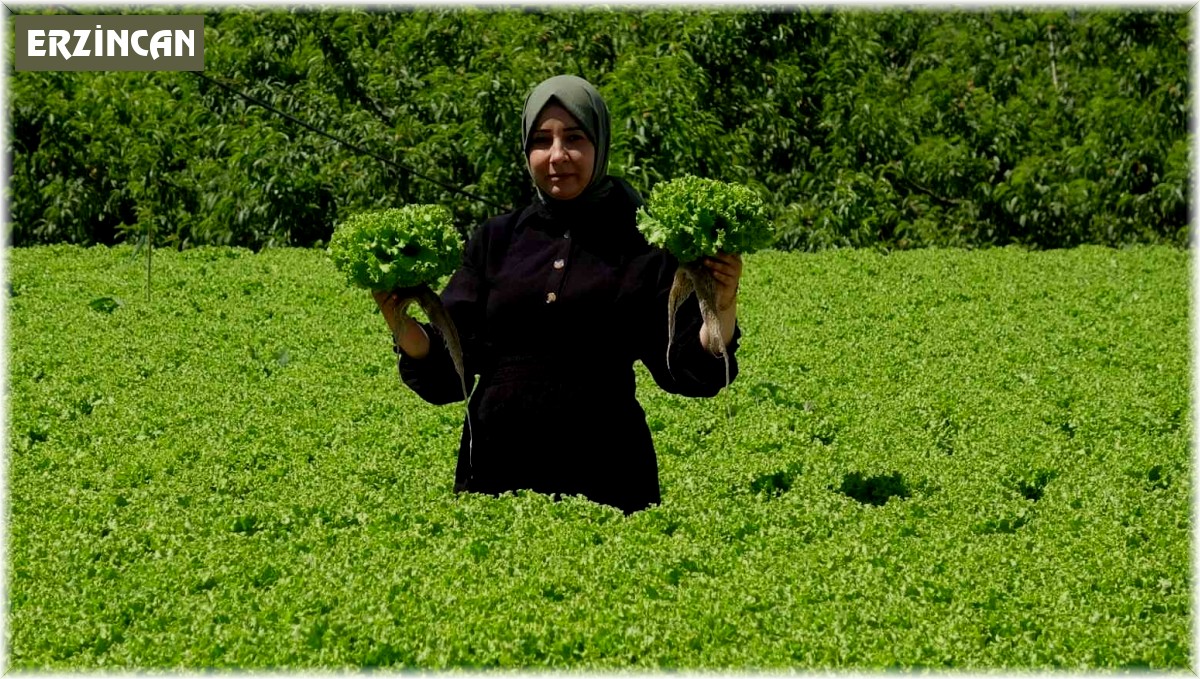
(409, 336)
(393, 308)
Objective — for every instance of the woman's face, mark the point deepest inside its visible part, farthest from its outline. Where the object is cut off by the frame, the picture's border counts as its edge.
(561, 157)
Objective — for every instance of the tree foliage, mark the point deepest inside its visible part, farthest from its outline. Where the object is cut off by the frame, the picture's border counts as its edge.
(900, 128)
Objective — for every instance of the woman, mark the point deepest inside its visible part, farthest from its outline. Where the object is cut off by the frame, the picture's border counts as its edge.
(553, 304)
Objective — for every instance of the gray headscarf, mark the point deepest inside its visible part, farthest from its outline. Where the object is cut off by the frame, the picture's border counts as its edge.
(584, 103)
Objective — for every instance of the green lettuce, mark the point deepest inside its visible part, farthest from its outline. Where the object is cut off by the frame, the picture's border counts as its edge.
(692, 218)
(396, 247)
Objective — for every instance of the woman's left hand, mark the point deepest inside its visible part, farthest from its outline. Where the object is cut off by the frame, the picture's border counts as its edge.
(727, 271)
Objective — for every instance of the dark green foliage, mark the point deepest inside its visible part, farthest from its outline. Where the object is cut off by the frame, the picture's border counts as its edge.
(181, 496)
(874, 490)
(106, 305)
(1034, 488)
(1048, 129)
(899, 128)
(775, 483)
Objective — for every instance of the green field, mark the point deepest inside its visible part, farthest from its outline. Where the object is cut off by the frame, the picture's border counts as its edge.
(969, 459)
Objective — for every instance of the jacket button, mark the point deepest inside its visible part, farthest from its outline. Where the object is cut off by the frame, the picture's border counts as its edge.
(550, 297)
(560, 263)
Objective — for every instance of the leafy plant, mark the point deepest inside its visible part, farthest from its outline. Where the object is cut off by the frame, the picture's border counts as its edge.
(693, 218)
(403, 250)
(397, 247)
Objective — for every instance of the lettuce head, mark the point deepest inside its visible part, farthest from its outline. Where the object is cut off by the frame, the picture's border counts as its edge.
(396, 247)
(692, 217)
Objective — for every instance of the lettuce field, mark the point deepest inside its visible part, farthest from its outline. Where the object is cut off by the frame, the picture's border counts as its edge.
(938, 458)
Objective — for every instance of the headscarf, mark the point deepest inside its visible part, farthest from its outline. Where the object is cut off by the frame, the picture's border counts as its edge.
(585, 104)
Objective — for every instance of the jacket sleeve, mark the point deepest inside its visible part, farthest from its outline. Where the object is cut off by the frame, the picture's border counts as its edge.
(434, 378)
(693, 371)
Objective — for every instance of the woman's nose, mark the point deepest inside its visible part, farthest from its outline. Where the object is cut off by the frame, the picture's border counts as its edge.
(558, 152)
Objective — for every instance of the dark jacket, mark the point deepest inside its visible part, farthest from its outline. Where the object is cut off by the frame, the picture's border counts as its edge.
(552, 313)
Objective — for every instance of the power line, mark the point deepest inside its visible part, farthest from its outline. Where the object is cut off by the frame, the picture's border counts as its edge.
(254, 100)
